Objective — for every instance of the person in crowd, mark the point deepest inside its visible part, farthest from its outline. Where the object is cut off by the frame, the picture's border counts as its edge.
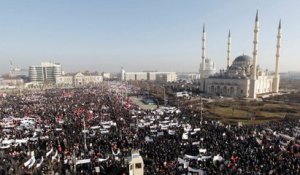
(92, 130)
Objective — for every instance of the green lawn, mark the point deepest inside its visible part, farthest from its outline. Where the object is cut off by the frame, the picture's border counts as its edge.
(244, 122)
(243, 116)
(271, 114)
(227, 112)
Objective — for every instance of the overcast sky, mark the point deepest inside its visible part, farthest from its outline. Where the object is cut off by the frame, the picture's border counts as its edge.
(164, 35)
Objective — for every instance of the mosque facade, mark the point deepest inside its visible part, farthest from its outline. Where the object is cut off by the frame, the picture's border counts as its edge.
(242, 78)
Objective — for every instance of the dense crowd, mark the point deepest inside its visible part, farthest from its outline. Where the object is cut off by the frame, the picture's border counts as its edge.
(94, 131)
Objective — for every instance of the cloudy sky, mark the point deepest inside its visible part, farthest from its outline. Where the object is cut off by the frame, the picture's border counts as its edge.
(164, 35)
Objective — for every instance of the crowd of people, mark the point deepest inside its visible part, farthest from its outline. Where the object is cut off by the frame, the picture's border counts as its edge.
(94, 131)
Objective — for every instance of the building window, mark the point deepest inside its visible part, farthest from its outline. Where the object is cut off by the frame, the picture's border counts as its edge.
(130, 167)
(138, 165)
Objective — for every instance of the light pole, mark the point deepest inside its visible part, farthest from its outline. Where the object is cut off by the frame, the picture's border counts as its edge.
(74, 160)
(126, 84)
(201, 111)
(84, 134)
(122, 97)
(233, 108)
(165, 100)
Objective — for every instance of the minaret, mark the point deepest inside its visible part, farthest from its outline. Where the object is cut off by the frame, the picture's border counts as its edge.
(276, 76)
(254, 65)
(255, 47)
(228, 50)
(202, 81)
(203, 53)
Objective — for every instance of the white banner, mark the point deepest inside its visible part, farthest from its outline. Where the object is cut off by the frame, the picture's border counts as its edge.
(8, 142)
(153, 126)
(165, 122)
(21, 140)
(33, 138)
(83, 161)
(106, 126)
(148, 139)
(5, 147)
(66, 161)
(199, 171)
(147, 124)
(38, 130)
(102, 160)
(104, 132)
(182, 161)
(28, 162)
(49, 152)
(32, 163)
(115, 154)
(259, 141)
(187, 129)
(39, 164)
(191, 157)
(204, 158)
(160, 133)
(218, 158)
(196, 143)
(185, 136)
(197, 129)
(193, 133)
(202, 150)
(286, 136)
(173, 124)
(171, 132)
(95, 127)
(85, 131)
(55, 155)
(164, 128)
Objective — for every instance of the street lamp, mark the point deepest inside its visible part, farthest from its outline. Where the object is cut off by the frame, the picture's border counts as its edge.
(126, 84)
(85, 146)
(165, 100)
(201, 111)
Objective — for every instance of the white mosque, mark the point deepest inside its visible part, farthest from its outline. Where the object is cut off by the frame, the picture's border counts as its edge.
(242, 78)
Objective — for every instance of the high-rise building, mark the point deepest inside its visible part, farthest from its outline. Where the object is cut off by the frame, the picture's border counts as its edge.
(45, 73)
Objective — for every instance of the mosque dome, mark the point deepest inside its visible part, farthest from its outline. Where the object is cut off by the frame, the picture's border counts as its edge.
(243, 58)
(242, 61)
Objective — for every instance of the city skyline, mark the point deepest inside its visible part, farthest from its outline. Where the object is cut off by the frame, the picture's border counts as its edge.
(141, 35)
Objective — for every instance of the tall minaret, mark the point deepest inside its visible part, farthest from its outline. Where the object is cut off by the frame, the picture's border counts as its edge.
(255, 46)
(228, 50)
(276, 76)
(203, 52)
(202, 81)
(254, 65)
